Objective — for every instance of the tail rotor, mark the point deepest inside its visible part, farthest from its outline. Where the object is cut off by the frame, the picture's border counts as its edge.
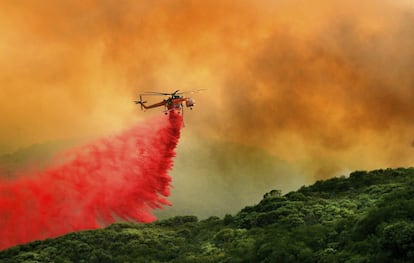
(140, 102)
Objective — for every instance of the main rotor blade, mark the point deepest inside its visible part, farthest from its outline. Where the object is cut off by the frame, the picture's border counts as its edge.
(156, 93)
(191, 91)
(160, 93)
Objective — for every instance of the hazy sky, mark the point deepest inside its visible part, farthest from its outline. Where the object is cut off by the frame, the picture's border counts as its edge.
(325, 86)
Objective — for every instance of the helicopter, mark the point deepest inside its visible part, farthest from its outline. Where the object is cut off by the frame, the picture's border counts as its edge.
(175, 101)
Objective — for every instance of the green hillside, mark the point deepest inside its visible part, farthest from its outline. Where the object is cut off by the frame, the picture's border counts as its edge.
(366, 217)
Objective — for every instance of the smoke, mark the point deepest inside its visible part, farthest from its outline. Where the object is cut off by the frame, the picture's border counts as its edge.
(328, 87)
(324, 86)
(123, 177)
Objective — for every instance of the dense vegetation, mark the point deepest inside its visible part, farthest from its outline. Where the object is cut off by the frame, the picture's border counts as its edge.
(367, 217)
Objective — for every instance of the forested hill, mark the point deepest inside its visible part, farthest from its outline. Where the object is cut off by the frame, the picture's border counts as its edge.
(366, 217)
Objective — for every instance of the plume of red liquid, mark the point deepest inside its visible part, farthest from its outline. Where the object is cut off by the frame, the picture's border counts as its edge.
(123, 177)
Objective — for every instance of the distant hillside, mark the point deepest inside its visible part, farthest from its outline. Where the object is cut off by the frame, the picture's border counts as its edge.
(238, 174)
(36, 155)
(366, 217)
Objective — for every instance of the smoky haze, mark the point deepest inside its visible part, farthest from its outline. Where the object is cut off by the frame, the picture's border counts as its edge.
(324, 87)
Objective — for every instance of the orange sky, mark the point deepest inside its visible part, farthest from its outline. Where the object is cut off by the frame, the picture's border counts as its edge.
(327, 86)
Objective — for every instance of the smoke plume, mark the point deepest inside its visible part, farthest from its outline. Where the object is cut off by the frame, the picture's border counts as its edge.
(123, 177)
(326, 86)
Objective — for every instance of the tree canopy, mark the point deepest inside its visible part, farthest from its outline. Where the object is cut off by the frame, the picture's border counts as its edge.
(366, 217)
